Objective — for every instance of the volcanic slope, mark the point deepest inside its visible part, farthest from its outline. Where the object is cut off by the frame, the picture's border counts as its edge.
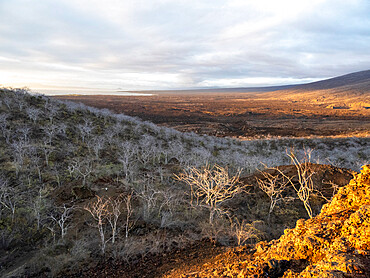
(336, 243)
(350, 91)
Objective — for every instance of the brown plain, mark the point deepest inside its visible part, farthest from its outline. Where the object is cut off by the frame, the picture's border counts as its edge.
(334, 107)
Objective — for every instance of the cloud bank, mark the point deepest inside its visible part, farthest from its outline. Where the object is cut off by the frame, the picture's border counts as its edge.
(177, 44)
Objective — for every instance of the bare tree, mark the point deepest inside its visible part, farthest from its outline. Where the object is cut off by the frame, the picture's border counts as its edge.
(24, 132)
(211, 186)
(242, 231)
(82, 167)
(8, 197)
(129, 210)
(147, 149)
(8, 102)
(19, 154)
(35, 160)
(33, 113)
(99, 211)
(150, 198)
(39, 206)
(62, 218)
(5, 131)
(51, 110)
(304, 185)
(51, 130)
(114, 211)
(47, 149)
(4, 121)
(127, 151)
(85, 129)
(96, 144)
(273, 185)
(57, 171)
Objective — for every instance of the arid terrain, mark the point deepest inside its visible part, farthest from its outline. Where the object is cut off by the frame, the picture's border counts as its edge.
(85, 192)
(334, 107)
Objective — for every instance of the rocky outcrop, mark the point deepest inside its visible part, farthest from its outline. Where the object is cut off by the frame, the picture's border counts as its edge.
(336, 243)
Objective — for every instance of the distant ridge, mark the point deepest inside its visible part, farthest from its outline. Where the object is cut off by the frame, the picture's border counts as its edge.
(361, 80)
(343, 80)
(217, 90)
(350, 91)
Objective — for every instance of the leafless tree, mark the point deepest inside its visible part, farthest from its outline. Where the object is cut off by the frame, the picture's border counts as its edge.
(99, 211)
(127, 151)
(47, 149)
(96, 144)
(114, 210)
(24, 132)
(5, 131)
(147, 149)
(8, 197)
(273, 185)
(62, 218)
(85, 129)
(19, 148)
(51, 110)
(177, 150)
(150, 198)
(33, 113)
(8, 102)
(242, 231)
(82, 168)
(4, 121)
(144, 156)
(39, 206)
(57, 171)
(129, 210)
(51, 130)
(304, 185)
(35, 160)
(211, 186)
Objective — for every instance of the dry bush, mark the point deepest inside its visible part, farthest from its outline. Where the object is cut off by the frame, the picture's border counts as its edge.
(273, 186)
(243, 231)
(211, 187)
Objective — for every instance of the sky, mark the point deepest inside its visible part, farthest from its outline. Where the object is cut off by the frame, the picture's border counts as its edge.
(180, 44)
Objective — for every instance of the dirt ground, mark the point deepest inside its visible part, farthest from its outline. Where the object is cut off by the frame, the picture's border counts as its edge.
(242, 115)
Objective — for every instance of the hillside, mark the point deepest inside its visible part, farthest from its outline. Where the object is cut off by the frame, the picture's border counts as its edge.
(59, 160)
(351, 91)
(336, 243)
(358, 79)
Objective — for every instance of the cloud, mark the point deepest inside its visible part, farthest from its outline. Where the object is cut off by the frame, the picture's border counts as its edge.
(161, 44)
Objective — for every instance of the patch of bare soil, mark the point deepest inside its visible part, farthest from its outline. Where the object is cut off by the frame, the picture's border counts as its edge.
(152, 265)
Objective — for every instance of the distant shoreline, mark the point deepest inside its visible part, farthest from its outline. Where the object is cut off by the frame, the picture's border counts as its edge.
(89, 92)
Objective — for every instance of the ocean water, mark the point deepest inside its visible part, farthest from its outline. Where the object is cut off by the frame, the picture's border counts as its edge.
(58, 92)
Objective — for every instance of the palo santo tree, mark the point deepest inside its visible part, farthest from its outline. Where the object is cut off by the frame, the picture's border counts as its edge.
(109, 209)
(114, 211)
(211, 186)
(62, 218)
(99, 210)
(304, 186)
(273, 185)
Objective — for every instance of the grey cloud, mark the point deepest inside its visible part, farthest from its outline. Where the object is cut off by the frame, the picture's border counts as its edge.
(189, 42)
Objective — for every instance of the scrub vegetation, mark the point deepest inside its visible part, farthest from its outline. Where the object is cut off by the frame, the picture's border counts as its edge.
(80, 185)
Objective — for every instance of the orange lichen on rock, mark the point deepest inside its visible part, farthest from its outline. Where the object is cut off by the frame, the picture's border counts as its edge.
(336, 243)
